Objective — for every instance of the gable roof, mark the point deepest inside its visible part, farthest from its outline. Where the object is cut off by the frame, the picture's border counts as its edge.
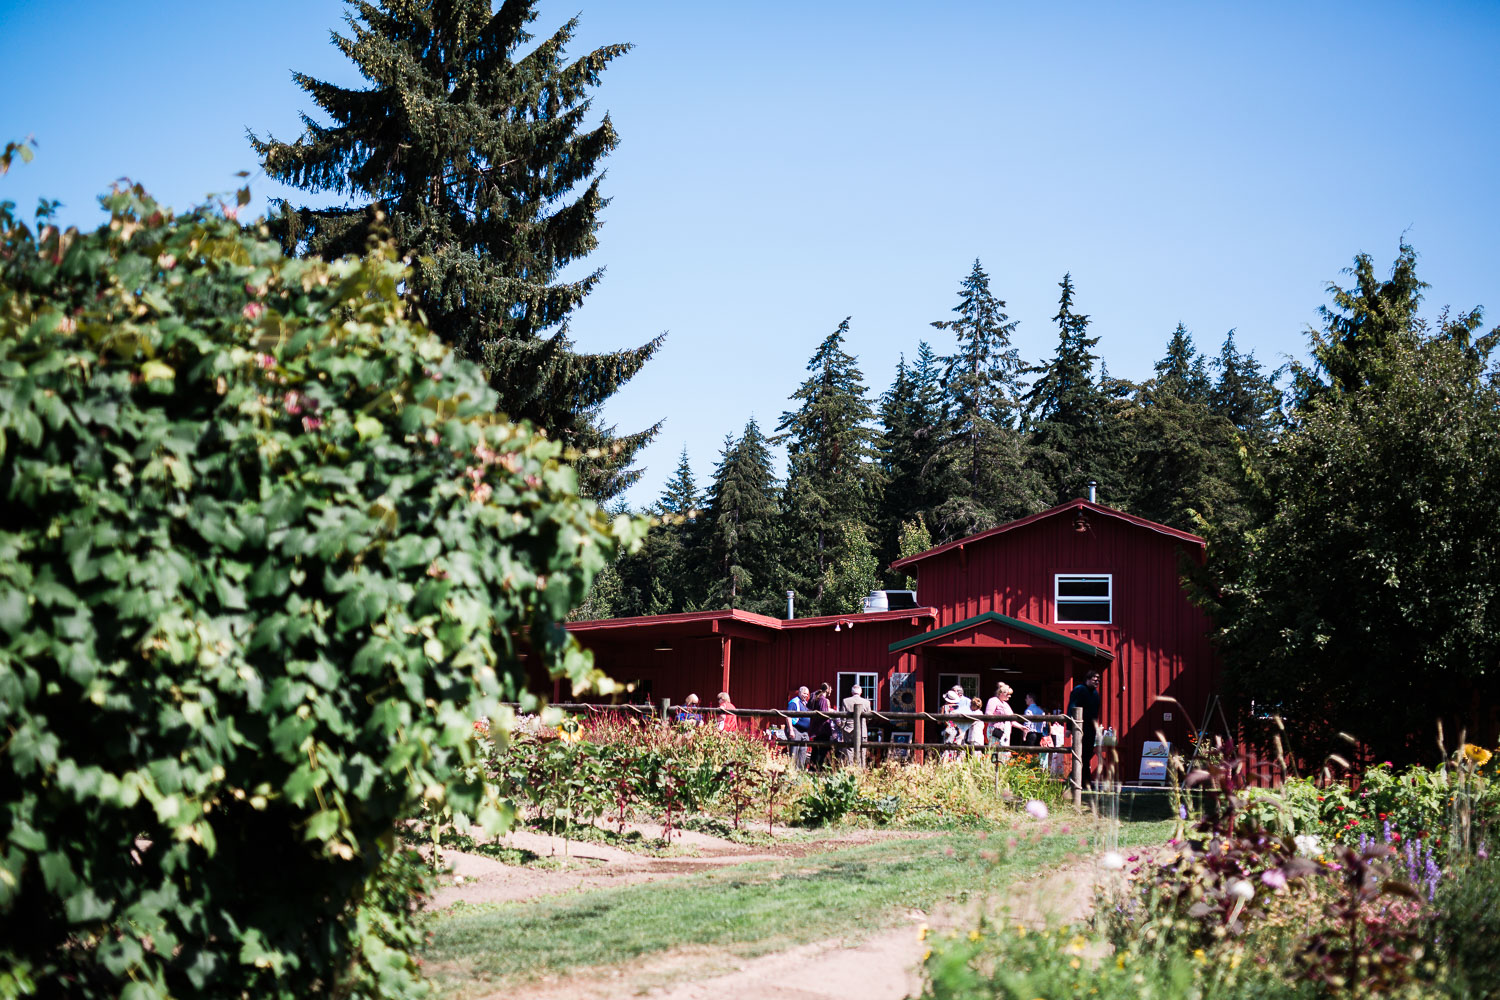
(1019, 624)
(1078, 504)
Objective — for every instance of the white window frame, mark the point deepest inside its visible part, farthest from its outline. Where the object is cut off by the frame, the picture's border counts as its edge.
(959, 678)
(872, 688)
(1108, 600)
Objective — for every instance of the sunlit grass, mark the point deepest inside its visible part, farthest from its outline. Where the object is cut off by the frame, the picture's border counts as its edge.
(748, 909)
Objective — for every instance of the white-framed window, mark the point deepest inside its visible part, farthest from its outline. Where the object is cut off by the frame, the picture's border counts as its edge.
(869, 686)
(969, 683)
(1083, 598)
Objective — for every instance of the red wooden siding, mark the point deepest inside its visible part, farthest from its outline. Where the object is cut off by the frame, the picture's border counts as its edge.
(1159, 638)
(768, 657)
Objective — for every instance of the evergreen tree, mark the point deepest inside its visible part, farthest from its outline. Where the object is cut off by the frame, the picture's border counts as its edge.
(983, 375)
(830, 476)
(1364, 328)
(1184, 466)
(1183, 371)
(912, 461)
(1073, 438)
(680, 495)
(742, 528)
(981, 444)
(469, 150)
(1243, 394)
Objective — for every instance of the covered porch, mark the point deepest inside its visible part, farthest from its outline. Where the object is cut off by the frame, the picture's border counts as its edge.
(979, 653)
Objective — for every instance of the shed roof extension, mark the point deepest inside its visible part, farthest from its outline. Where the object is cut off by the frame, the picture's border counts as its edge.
(734, 619)
(1078, 504)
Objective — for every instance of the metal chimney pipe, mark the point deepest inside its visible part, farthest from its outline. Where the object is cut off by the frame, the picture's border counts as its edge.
(790, 611)
(1093, 491)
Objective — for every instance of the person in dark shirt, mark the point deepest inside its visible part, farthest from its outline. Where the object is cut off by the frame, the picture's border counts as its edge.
(822, 729)
(1086, 697)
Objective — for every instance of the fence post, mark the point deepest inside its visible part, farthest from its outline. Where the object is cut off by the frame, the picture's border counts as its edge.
(666, 713)
(1077, 726)
(859, 734)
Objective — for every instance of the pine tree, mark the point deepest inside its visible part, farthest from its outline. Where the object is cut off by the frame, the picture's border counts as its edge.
(742, 527)
(916, 471)
(1184, 466)
(1183, 371)
(1243, 393)
(830, 476)
(468, 149)
(982, 377)
(680, 495)
(1366, 327)
(1073, 438)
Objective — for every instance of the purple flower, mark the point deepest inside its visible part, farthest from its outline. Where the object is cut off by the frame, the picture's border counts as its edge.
(1274, 878)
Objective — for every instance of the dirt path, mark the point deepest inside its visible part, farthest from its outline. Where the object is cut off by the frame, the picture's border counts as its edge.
(882, 966)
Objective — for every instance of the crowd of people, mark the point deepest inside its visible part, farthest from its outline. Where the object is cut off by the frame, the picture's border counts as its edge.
(812, 738)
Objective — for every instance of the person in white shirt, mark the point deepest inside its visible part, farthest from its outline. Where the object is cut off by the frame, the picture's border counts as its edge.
(1000, 732)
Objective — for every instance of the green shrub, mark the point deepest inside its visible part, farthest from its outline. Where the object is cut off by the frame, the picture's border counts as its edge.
(265, 552)
(829, 798)
(1468, 925)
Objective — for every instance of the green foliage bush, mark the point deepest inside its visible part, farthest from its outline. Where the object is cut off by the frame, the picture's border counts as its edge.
(830, 798)
(1468, 925)
(1447, 807)
(265, 552)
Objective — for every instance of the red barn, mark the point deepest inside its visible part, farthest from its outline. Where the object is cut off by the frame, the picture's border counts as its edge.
(1035, 603)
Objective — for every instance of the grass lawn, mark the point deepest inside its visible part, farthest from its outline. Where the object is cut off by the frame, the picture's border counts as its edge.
(749, 909)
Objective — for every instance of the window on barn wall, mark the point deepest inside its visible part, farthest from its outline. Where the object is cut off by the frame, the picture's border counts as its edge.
(1083, 599)
(969, 683)
(869, 686)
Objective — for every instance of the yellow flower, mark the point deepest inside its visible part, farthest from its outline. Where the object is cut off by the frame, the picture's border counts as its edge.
(926, 954)
(1477, 754)
(973, 935)
(1199, 955)
(1078, 943)
(1120, 961)
(1075, 963)
(922, 932)
(1234, 961)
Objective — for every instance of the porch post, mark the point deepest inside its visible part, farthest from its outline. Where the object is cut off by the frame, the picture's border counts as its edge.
(919, 694)
(724, 665)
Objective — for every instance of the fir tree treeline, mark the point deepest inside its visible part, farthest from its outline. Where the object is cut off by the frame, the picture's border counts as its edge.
(967, 435)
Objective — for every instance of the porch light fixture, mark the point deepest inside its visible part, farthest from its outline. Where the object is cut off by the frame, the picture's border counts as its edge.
(1080, 523)
(663, 649)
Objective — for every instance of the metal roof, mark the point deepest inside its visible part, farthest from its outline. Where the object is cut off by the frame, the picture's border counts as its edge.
(1079, 503)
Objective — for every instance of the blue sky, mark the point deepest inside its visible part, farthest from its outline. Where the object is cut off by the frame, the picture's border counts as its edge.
(784, 165)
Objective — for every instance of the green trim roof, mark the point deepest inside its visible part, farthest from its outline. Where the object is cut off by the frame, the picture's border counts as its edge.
(1020, 624)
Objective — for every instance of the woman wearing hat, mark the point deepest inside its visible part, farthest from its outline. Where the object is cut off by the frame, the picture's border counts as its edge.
(955, 732)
